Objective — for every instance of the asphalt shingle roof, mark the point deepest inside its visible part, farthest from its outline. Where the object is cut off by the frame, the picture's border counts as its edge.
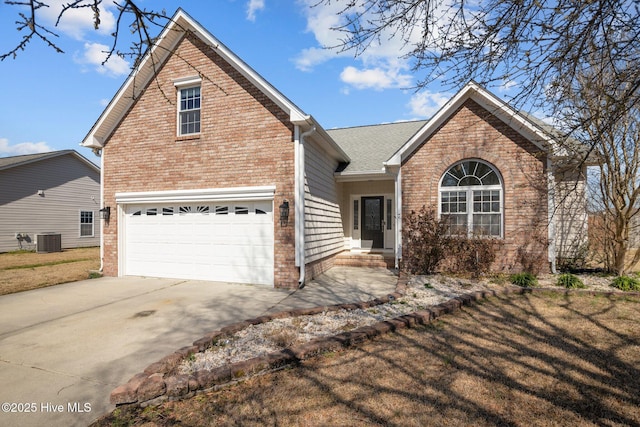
(370, 146)
(7, 162)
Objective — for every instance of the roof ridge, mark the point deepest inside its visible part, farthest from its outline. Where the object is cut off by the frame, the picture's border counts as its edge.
(45, 153)
(378, 124)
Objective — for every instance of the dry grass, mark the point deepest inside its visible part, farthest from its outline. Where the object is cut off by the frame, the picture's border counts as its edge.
(22, 271)
(543, 359)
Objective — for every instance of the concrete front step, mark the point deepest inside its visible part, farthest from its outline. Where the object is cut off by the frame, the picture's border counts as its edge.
(351, 259)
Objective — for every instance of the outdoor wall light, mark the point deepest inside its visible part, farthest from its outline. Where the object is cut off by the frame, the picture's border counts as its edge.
(284, 213)
(105, 213)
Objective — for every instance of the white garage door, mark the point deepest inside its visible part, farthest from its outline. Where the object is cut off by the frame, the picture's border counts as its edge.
(230, 242)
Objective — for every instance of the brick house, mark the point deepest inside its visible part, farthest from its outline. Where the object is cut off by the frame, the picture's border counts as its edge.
(211, 173)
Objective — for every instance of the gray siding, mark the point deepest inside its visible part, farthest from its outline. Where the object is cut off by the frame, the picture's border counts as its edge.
(324, 234)
(69, 186)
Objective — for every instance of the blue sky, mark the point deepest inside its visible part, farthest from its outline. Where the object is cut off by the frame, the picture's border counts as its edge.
(51, 100)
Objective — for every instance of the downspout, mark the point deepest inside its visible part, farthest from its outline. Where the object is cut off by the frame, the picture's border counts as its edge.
(300, 203)
(98, 152)
(398, 249)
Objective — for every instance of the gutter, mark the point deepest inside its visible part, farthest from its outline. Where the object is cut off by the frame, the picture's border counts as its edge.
(300, 201)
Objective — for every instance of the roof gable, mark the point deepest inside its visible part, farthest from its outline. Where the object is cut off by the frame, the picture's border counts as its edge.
(500, 109)
(16, 161)
(138, 79)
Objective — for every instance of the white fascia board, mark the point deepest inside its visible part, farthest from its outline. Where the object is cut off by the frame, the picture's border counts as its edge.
(249, 73)
(429, 127)
(141, 75)
(138, 78)
(519, 123)
(491, 103)
(200, 195)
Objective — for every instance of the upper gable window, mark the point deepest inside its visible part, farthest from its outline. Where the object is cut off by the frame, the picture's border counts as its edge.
(189, 98)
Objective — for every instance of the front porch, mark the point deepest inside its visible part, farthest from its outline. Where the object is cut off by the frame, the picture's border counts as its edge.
(369, 215)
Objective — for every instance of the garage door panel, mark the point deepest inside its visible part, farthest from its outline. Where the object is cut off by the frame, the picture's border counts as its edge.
(201, 241)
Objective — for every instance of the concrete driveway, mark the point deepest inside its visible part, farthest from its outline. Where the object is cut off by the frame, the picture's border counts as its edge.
(64, 348)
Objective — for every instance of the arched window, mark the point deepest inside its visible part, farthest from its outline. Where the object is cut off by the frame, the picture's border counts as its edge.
(471, 199)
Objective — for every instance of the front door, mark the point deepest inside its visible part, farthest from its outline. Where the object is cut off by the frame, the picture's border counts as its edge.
(372, 214)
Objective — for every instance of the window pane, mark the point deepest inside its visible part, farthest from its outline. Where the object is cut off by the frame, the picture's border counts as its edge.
(469, 180)
(189, 111)
(486, 201)
(491, 179)
(457, 223)
(242, 210)
(389, 204)
(355, 214)
(86, 223)
(449, 180)
(486, 224)
(86, 230)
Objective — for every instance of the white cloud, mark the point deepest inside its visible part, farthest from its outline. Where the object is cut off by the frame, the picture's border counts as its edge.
(310, 57)
(375, 78)
(324, 22)
(254, 6)
(425, 104)
(507, 85)
(322, 19)
(76, 22)
(6, 149)
(95, 54)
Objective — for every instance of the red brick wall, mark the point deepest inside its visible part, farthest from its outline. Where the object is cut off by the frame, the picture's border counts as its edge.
(245, 140)
(473, 132)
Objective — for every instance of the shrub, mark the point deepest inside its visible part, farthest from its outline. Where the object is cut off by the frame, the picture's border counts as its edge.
(473, 255)
(570, 281)
(626, 283)
(525, 280)
(428, 246)
(425, 240)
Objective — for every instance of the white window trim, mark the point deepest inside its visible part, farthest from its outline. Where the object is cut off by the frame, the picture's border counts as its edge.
(93, 223)
(469, 190)
(181, 84)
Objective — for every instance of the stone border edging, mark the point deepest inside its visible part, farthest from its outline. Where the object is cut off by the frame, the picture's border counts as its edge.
(158, 382)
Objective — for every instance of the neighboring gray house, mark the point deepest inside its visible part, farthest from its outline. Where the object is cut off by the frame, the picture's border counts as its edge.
(49, 193)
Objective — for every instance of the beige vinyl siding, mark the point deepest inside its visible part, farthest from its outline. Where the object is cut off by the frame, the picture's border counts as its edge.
(69, 186)
(323, 223)
(571, 213)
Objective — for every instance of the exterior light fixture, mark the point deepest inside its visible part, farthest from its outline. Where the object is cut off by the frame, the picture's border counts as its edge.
(284, 213)
(105, 213)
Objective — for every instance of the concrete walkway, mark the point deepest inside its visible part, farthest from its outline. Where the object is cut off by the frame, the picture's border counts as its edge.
(64, 348)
